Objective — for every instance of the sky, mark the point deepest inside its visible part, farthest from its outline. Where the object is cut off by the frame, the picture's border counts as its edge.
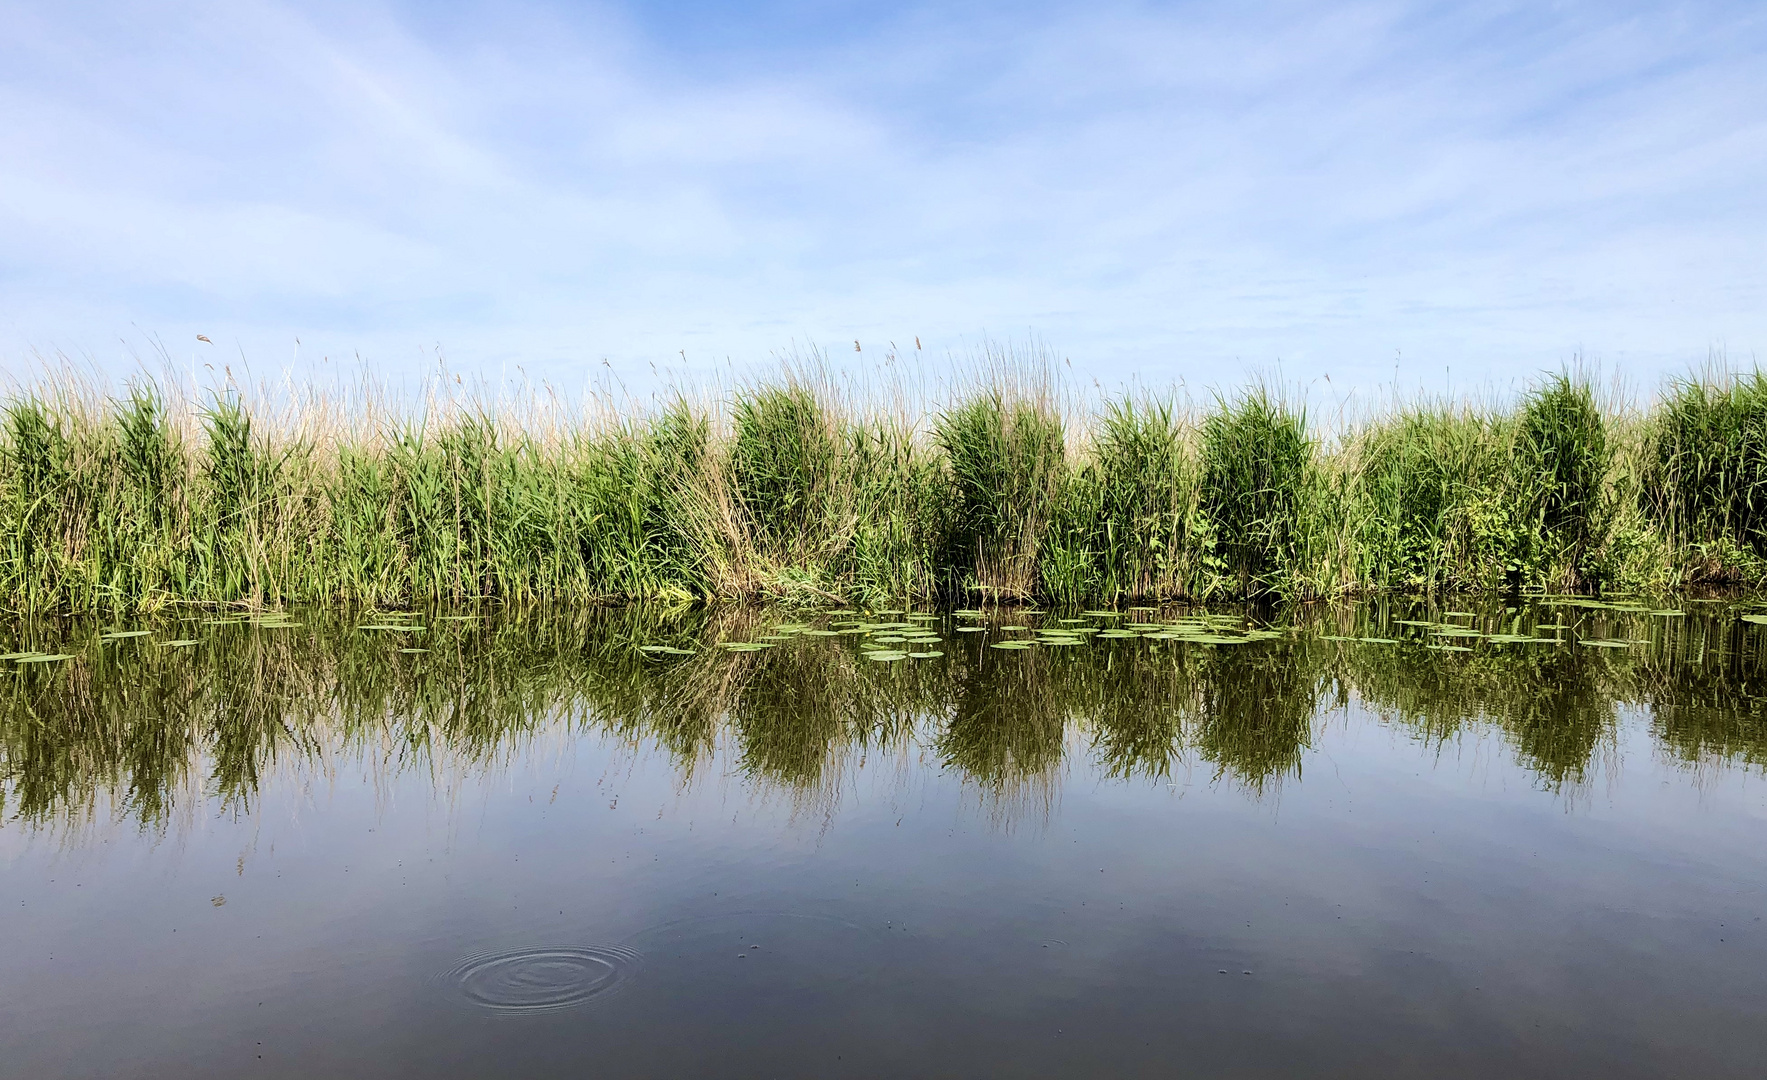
(1441, 196)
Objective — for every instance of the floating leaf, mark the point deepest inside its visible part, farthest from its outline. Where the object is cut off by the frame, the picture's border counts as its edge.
(924, 655)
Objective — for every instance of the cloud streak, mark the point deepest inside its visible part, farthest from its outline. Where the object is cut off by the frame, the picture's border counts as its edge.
(1162, 191)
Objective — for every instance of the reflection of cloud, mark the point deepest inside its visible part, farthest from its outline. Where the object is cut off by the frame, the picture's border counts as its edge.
(1143, 186)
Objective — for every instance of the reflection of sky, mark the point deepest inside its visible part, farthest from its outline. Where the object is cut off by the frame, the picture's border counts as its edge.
(1179, 191)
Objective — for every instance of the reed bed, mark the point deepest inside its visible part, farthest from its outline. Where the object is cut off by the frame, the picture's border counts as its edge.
(795, 491)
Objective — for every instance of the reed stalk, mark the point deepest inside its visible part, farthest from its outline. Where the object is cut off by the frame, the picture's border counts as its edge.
(793, 491)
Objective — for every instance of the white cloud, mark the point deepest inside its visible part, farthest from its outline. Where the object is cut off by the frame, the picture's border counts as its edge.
(1175, 191)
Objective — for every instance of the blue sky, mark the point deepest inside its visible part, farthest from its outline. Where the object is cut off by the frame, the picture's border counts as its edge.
(1456, 194)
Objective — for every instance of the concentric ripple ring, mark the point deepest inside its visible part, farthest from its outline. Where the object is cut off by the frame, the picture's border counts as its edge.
(543, 978)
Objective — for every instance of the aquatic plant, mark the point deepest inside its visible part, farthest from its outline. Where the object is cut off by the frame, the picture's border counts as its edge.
(1257, 465)
(1706, 465)
(799, 493)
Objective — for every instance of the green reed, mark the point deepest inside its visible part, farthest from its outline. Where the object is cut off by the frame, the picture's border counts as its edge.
(138, 501)
(1706, 464)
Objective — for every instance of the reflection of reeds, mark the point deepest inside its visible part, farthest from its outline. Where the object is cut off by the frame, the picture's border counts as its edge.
(792, 491)
(134, 728)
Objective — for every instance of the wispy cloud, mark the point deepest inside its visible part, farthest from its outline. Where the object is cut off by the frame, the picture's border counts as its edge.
(1170, 190)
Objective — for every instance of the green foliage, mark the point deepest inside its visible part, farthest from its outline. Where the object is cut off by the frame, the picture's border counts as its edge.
(1147, 501)
(1433, 507)
(135, 502)
(1562, 459)
(783, 466)
(1257, 466)
(1007, 461)
(1706, 462)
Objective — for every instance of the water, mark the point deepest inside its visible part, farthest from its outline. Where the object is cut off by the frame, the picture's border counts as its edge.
(537, 849)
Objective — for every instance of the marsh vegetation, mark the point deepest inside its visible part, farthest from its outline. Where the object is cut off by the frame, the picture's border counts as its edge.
(793, 491)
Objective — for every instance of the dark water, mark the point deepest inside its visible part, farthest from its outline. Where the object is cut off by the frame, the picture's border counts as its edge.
(536, 850)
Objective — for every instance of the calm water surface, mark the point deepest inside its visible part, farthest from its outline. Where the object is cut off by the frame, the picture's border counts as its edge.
(545, 846)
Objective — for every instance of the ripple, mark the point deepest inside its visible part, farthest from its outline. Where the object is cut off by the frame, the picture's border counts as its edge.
(543, 978)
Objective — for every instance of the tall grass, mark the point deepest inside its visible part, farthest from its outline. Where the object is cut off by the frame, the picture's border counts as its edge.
(1006, 459)
(791, 490)
(1258, 463)
(1706, 463)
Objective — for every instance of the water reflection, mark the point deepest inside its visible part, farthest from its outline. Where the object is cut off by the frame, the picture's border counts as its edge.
(131, 727)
